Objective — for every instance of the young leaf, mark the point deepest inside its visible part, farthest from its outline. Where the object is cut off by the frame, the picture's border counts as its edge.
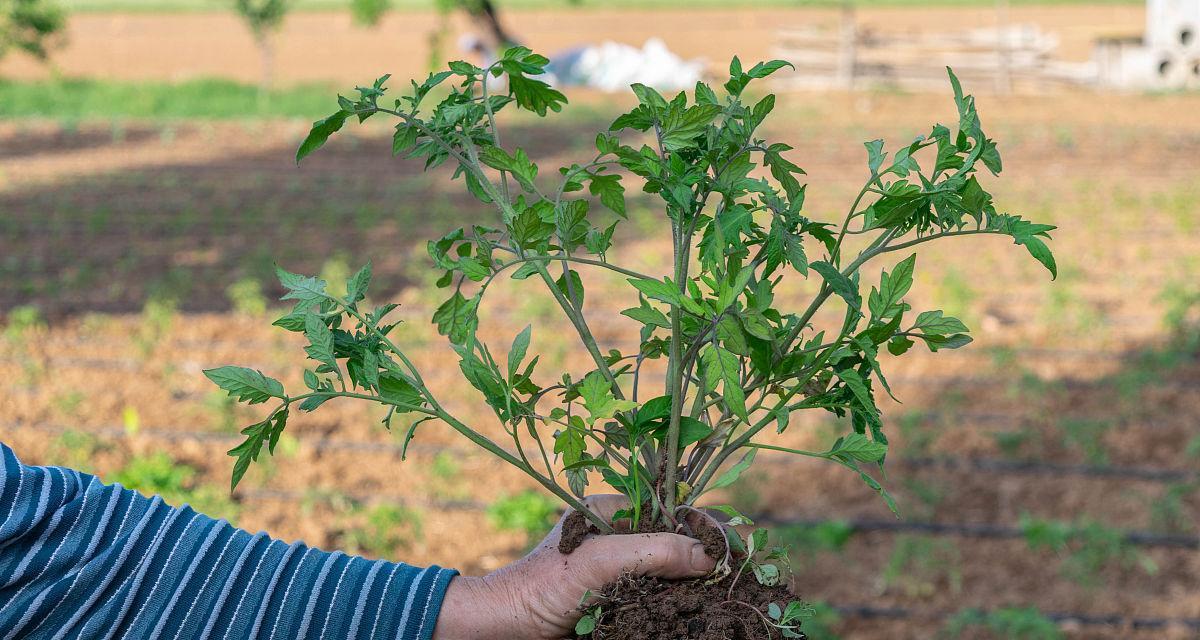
(598, 397)
(247, 385)
(321, 130)
(843, 286)
(722, 365)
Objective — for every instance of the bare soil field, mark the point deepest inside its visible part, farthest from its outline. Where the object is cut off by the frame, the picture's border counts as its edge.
(1082, 374)
(329, 47)
(1078, 403)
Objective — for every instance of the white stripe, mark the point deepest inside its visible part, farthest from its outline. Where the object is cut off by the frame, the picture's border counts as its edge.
(362, 598)
(134, 580)
(382, 601)
(333, 601)
(227, 587)
(212, 571)
(82, 560)
(428, 599)
(288, 591)
(408, 602)
(249, 585)
(43, 503)
(16, 498)
(55, 520)
(197, 558)
(316, 592)
(150, 597)
(122, 556)
(49, 563)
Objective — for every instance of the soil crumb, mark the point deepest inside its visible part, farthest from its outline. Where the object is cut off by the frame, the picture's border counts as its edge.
(576, 528)
(638, 608)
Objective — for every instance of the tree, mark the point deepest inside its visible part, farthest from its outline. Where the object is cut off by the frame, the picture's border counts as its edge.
(263, 17)
(29, 26)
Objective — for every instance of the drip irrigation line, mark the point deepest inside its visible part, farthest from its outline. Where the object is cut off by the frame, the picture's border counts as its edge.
(1084, 619)
(948, 463)
(984, 531)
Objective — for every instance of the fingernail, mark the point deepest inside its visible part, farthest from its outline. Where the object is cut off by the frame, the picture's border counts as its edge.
(699, 560)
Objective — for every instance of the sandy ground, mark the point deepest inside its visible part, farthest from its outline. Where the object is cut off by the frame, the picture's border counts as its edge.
(329, 47)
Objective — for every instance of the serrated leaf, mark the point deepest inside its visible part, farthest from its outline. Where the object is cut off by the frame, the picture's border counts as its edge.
(858, 447)
(722, 365)
(598, 397)
(320, 338)
(612, 194)
(456, 317)
(246, 385)
(520, 346)
(320, 132)
(843, 286)
(356, 287)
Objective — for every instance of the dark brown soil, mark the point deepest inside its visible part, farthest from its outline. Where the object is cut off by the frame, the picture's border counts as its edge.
(575, 529)
(644, 608)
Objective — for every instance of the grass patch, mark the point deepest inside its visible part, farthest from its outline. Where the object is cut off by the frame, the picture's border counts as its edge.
(86, 99)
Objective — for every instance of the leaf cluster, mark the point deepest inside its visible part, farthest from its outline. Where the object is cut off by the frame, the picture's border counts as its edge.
(736, 361)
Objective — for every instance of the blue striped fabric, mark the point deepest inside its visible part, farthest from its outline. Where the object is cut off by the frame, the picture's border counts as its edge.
(81, 559)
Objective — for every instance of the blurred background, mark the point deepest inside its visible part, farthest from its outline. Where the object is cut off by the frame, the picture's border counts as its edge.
(1047, 474)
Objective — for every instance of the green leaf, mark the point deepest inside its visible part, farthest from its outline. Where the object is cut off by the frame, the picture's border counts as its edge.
(764, 69)
(858, 387)
(519, 165)
(731, 474)
(586, 625)
(841, 285)
(658, 290)
(680, 128)
(858, 447)
(394, 388)
(456, 318)
(306, 289)
(935, 323)
(520, 346)
(612, 194)
(535, 95)
(892, 288)
(722, 365)
(569, 442)
(598, 398)
(265, 432)
(321, 130)
(875, 155)
(356, 287)
(247, 385)
(648, 315)
(320, 338)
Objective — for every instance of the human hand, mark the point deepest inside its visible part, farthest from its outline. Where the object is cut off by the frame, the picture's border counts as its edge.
(537, 597)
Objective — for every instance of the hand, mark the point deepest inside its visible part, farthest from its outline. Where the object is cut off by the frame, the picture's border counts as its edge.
(537, 597)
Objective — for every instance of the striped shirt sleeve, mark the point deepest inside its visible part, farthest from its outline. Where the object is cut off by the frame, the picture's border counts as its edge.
(81, 559)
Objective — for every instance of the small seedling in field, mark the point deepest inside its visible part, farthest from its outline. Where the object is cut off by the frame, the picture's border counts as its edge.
(920, 564)
(381, 530)
(1012, 623)
(1088, 547)
(177, 483)
(529, 512)
(728, 360)
(787, 619)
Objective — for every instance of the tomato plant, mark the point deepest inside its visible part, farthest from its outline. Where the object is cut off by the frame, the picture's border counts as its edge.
(736, 363)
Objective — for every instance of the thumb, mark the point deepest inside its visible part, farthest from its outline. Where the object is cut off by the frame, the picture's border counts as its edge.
(661, 555)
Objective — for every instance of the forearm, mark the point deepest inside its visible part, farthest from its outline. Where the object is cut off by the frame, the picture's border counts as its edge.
(80, 556)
